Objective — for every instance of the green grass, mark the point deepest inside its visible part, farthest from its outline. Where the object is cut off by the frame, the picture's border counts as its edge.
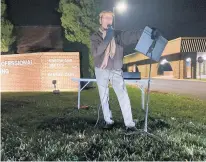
(43, 126)
(203, 79)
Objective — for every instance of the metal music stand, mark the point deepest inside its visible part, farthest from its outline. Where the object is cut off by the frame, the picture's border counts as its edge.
(151, 44)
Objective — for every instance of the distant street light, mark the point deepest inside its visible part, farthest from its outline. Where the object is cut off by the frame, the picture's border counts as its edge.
(120, 7)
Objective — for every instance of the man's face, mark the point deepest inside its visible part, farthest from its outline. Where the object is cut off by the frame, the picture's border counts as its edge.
(106, 19)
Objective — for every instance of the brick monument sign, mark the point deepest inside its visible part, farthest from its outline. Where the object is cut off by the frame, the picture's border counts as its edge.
(37, 71)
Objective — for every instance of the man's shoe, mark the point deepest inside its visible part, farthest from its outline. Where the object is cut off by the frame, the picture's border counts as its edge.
(131, 129)
(108, 125)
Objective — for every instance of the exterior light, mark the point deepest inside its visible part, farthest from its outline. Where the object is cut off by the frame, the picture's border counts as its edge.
(121, 7)
(188, 59)
(163, 62)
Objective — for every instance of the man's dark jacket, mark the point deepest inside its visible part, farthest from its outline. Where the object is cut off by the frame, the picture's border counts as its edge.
(122, 39)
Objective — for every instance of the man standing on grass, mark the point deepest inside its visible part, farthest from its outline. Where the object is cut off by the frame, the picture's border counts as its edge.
(107, 50)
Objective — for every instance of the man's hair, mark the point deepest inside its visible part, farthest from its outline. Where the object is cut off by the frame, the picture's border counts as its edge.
(105, 13)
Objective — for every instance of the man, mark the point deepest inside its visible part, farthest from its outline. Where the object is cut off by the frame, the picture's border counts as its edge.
(107, 50)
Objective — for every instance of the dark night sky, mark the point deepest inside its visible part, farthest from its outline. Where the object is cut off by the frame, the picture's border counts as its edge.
(33, 12)
(174, 18)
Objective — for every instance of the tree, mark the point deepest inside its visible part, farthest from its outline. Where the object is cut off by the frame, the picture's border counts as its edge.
(7, 37)
(79, 19)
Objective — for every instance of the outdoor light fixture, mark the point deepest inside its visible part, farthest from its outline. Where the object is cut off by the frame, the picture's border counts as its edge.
(121, 7)
(163, 62)
(54, 82)
(55, 91)
(188, 59)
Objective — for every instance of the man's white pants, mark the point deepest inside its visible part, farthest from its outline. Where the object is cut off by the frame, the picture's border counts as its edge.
(115, 77)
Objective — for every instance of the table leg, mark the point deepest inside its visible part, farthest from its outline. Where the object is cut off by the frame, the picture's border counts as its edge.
(79, 91)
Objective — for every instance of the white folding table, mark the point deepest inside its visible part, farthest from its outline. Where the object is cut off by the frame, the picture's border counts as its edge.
(141, 84)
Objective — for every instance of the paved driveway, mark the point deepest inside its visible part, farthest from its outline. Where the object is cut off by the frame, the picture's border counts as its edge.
(190, 88)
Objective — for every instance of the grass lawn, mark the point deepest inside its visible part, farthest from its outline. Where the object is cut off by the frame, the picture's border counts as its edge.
(43, 126)
(203, 79)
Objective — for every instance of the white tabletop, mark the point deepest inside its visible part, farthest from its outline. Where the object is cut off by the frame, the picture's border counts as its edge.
(94, 80)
